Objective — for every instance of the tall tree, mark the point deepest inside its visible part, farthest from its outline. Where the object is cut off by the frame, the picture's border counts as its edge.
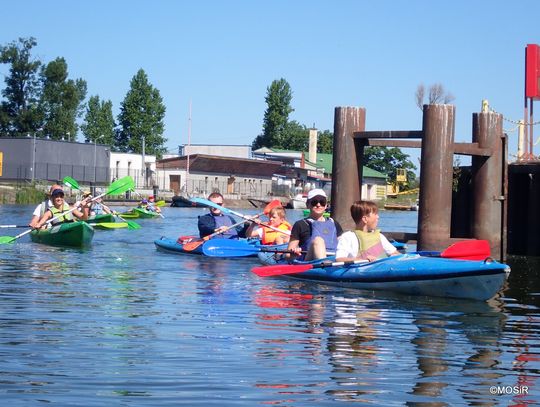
(19, 112)
(278, 100)
(141, 118)
(388, 161)
(99, 123)
(61, 100)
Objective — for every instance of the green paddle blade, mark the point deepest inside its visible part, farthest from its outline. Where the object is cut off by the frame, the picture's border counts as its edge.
(70, 182)
(120, 186)
(133, 225)
(7, 239)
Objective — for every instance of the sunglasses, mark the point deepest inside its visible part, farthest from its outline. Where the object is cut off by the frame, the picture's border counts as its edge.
(315, 202)
(217, 203)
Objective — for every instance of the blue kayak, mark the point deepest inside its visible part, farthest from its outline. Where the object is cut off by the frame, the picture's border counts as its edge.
(241, 247)
(412, 274)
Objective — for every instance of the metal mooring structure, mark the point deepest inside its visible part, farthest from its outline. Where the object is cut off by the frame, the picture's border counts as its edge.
(474, 206)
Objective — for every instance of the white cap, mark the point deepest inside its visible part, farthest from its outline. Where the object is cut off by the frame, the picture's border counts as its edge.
(316, 192)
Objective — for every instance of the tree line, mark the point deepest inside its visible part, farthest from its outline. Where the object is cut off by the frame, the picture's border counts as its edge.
(40, 100)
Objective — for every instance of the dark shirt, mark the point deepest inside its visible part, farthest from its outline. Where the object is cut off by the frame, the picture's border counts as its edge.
(207, 225)
(301, 231)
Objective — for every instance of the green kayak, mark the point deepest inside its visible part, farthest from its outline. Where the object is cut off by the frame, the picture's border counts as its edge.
(139, 213)
(75, 234)
(106, 217)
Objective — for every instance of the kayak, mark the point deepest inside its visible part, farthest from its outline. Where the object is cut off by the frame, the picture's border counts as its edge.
(412, 274)
(174, 246)
(106, 217)
(139, 213)
(75, 234)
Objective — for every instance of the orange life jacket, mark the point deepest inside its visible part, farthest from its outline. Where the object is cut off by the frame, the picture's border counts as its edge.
(269, 236)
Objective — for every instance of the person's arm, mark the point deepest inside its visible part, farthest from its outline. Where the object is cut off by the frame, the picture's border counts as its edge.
(206, 225)
(294, 242)
(36, 215)
(82, 215)
(347, 247)
(46, 216)
(389, 248)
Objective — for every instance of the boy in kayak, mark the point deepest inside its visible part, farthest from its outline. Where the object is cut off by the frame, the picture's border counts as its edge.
(366, 242)
(61, 210)
(43, 206)
(315, 234)
(151, 205)
(277, 219)
(217, 221)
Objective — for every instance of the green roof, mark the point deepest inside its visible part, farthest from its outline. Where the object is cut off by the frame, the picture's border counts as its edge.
(324, 160)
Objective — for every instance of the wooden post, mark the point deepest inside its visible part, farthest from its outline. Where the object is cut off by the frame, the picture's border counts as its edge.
(434, 216)
(346, 167)
(487, 180)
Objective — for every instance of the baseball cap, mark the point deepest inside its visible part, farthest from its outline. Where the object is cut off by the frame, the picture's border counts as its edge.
(316, 192)
(57, 191)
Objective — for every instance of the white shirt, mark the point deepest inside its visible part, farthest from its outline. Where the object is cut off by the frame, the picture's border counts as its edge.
(348, 245)
(37, 211)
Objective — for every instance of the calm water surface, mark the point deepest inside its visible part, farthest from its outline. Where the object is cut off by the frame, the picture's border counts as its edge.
(123, 324)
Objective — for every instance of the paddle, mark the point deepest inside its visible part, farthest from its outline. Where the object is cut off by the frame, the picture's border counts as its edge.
(463, 250)
(110, 225)
(70, 182)
(206, 202)
(468, 250)
(235, 248)
(117, 187)
(13, 226)
(190, 246)
(280, 269)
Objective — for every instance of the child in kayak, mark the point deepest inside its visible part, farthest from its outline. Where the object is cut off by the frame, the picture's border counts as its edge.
(366, 242)
(267, 235)
(43, 206)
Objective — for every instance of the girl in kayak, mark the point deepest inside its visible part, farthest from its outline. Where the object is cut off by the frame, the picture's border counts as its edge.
(366, 242)
(277, 219)
(61, 210)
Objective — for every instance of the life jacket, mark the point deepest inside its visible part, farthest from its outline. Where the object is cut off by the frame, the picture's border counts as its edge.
(269, 236)
(97, 209)
(369, 243)
(68, 217)
(325, 229)
(224, 220)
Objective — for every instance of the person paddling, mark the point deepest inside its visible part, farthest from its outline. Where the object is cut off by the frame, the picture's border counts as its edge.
(315, 234)
(58, 208)
(366, 242)
(217, 221)
(267, 235)
(43, 206)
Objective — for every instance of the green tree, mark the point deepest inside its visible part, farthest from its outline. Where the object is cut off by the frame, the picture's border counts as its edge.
(278, 100)
(325, 143)
(388, 160)
(141, 117)
(99, 123)
(61, 100)
(19, 112)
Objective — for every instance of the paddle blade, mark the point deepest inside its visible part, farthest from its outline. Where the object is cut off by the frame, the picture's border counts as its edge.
(7, 239)
(120, 186)
(228, 248)
(190, 246)
(132, 225)
(468, 250)
(276, 203)
(281, 269)
(70, 182)
(161, 203)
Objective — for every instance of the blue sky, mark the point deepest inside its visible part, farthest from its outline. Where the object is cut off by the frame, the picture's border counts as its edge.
(222, 56)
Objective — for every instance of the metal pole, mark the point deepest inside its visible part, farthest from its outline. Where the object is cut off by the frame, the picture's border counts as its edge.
(143, 169)
(33, 157)
(95, 158)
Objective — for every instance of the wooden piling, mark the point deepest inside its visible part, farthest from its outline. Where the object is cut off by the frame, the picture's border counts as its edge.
(434, 216)
(488, 191)
(346, 163)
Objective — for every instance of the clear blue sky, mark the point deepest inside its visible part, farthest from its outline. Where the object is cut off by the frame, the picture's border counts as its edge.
(222, 55)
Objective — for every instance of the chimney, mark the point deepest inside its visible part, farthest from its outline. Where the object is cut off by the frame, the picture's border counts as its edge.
(312, 157)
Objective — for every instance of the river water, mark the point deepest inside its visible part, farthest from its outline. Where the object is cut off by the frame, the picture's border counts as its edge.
(122, 324)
